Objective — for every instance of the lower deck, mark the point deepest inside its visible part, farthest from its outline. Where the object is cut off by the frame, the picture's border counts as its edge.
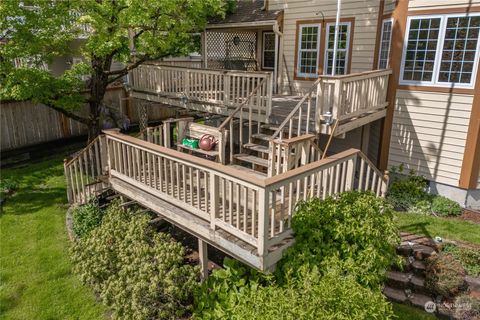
(246, 215)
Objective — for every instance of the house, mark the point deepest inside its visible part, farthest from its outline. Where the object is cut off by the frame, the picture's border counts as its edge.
(404, 89)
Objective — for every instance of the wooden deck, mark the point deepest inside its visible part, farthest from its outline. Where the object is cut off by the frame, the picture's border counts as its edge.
(353, 100)
(246, 215)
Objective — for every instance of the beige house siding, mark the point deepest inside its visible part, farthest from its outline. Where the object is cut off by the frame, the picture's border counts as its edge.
(429, 132)
(365, 13)
(389, 6)
(440, 4)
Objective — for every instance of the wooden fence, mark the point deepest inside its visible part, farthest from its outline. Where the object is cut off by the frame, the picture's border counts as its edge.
(24, 123)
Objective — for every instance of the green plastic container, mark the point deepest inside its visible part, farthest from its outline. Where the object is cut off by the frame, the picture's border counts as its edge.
(192, 143)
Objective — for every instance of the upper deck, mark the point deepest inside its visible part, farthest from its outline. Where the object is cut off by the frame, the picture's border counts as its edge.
(352, 100)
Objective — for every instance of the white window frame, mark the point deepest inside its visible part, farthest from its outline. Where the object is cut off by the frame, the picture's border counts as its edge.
(389, 43)
(347, 49)
(436, 67)
(299, 50)
(263, 49)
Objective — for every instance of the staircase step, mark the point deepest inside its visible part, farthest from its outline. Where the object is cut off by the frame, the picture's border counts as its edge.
(257, 174)
(418, 267)
(398, 279)
(419, 300)
(251, 159)
(273, 127)
(422, 252)
(396, 295)
(256, 147)
(262, 136)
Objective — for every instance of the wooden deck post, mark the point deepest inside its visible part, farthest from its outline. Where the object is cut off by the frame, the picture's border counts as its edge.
(203, 258)
(214, 197)
(69, 187)
(263, 221)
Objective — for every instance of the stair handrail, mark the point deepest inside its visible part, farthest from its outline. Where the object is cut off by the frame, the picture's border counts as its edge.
(84, 169)
(237, 109)
(296, 108)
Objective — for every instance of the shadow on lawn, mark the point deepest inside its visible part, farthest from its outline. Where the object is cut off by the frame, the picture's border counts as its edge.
(416, 227)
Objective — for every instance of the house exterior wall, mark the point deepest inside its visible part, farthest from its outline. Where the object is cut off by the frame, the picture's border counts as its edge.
(365, 13)
(429, 133)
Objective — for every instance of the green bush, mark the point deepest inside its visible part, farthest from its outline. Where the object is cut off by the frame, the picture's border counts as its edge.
(466, 307)
(138, 273)
(7, 188)
(422, 207)
(86, 218)
(405, 192)
(444, 275)
(468, 257)
(308, 295)
(355, 230)
(443, 206)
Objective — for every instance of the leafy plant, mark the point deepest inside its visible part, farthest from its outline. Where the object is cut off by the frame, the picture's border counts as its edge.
(354, 230)
(86, 218)
(405, 192)
(467, 307)
(444, 275)
(423, 207)
(443, 206)
(468, 257)
(137, 272)
(309, 295)
(7, 188)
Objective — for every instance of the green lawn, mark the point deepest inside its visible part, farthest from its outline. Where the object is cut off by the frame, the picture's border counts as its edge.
(404, 312)
(36, 277)
(453, 229)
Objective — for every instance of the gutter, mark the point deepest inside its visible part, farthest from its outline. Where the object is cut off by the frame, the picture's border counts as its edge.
(242, 24)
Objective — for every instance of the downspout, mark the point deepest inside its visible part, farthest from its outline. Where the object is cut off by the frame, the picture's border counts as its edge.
(335, 41)
(279, 50)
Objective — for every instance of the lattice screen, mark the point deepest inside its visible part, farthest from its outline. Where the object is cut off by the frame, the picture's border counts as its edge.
(232, 50)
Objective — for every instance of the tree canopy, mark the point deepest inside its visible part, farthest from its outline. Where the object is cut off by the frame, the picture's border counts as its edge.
(37, 32)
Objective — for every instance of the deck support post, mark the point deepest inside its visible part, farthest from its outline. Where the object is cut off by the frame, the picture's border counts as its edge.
(203, 259)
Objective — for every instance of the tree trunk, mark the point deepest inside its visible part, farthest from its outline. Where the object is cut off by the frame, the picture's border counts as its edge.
(99, 84)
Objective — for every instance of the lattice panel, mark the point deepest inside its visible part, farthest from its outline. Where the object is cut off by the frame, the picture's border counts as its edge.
(232, 50)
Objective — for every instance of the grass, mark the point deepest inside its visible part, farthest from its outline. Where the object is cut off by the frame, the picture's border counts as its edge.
(36, 277)
(404, 312)
(452, 229)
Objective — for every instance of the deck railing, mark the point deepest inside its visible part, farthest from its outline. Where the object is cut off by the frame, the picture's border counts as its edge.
(258, 211)
(84, 170)
(218, 87)
(344, 97)
(351, 95)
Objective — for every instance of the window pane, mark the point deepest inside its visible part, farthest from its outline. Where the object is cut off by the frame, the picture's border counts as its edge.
(342, 45)
(421, 49)
(308, 50)
(459, 49)
(385, 44)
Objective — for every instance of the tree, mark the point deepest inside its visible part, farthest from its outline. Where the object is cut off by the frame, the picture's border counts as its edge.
(103, 31)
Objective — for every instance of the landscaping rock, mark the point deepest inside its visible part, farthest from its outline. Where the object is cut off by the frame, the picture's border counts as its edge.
(398, 279)
(418, 300)
(396, 295)
(418, 267)
(422, 252)
(404, 250)
(418, 284)
(473, 283)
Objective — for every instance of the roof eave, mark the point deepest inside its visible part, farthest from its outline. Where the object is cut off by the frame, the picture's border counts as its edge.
(264, 23)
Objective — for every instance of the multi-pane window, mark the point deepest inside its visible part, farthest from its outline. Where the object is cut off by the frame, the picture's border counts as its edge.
(385, 40)
(342, 48)
(421, 49)
(459, 46)
(441, 50)
(268, 57)
(309, 40)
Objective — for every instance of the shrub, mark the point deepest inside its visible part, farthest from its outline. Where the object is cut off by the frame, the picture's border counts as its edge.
(468, 257)
(355, 230)
(444, 275)
(137, 272)
(308, 295)
(422, 207)
(466, 307)
(443, 206)
(86, 218)
(7, 188)
(405, 192)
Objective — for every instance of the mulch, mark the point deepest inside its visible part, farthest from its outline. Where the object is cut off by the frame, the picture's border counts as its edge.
(470, 215)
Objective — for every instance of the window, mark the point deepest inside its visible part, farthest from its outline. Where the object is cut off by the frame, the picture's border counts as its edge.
(385, 42)
(308, 47)
(342, 48)
(441, 50)
(268, 57)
